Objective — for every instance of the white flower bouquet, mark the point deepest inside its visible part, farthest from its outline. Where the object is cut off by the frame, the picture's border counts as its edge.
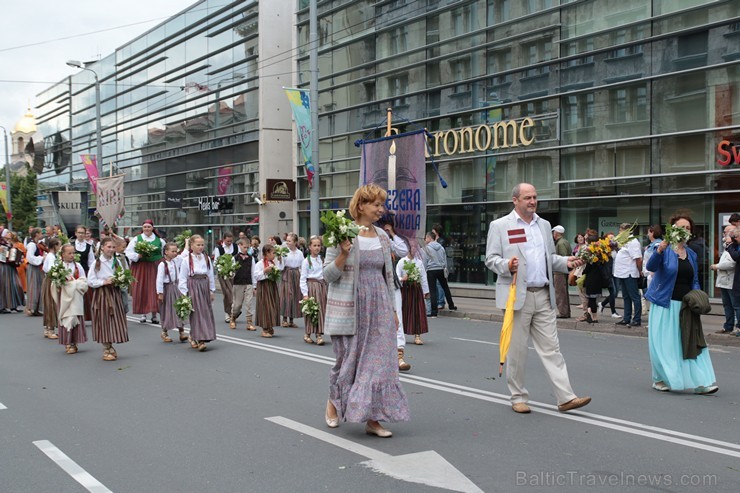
(226, 266)
(674, 235)
(413, 275)
(144, 248)
(339, 228)
(123, 278)
(310, 308)
(273, 273)
(58, 274)
(184, 307)
(281, 251)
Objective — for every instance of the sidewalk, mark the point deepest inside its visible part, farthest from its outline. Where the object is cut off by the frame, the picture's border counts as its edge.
(485, 309)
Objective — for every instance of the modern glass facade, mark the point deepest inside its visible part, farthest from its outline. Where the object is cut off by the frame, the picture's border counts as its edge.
(634, 108)
(180, 112)
(629, 100)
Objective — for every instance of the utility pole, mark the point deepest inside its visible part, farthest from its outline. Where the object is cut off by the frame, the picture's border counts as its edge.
(314, 97)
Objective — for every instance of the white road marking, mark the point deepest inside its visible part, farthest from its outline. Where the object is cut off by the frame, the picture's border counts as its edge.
(2, 406)
(428, 467)
(71, 467)
(474, 340)
(617, 424)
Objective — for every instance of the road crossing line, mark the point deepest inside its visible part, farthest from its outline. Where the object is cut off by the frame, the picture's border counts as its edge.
(71, 467)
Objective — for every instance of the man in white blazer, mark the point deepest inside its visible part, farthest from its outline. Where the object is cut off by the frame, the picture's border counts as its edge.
(522, 242)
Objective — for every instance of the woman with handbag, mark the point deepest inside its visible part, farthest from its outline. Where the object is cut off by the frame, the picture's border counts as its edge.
(362, 322)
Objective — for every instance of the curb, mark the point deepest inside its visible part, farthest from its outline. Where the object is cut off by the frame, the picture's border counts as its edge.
(607, 328)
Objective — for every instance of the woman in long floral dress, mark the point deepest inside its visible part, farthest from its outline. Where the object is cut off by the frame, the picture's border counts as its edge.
(361, 320)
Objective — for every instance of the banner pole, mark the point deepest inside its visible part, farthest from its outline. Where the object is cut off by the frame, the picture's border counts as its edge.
(389, 120)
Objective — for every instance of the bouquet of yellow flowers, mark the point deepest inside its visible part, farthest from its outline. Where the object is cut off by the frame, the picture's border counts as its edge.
(596, 252)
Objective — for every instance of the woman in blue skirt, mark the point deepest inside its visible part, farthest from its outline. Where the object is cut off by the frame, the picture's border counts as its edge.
(675, 274)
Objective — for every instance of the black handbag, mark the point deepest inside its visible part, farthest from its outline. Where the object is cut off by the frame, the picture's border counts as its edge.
(642, 282)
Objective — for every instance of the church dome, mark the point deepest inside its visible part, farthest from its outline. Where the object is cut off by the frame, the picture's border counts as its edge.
(27, 124)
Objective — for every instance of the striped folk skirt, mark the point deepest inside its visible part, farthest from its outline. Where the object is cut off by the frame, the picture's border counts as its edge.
(108, 318)
(11, 291)
(144, 290)
(267, 314)
(290, 293)
(414, 310)
(317, 289)
(51, 319)
(167, 313)
(34, 285)
(78, 335)
(202, 323)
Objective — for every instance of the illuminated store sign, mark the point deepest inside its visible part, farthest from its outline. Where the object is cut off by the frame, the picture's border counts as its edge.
(494, 136)
(729, 152)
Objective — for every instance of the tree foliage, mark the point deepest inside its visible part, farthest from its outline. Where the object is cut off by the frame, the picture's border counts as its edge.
(23, 197)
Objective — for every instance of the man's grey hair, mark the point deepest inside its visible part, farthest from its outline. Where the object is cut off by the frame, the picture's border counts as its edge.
(517, 190)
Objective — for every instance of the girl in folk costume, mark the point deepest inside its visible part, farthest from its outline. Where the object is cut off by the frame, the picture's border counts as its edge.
(87, 258)
(290, 286)
(314, 286)
(108, 317)
(413, 293)
(21, 266)
(11, 290)
(227, 285)
(47, 298)
(34, 274)
(267, 313)
(167, 292)
(196, 280)
(144, 269)
(70, 302)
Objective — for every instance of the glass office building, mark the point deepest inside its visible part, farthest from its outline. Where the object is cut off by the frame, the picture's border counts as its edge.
(616, 112)
(183, 117)
(634, 108)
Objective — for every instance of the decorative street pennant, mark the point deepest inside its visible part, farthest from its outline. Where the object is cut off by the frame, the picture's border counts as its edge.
(301, 105)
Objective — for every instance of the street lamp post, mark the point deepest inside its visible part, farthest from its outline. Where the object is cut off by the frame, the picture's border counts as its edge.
(7, 181)
(99, 147)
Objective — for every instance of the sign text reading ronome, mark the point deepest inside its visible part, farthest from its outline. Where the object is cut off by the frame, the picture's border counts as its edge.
(494, 136)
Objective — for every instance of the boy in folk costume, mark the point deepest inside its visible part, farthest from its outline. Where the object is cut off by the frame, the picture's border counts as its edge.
(227, 286)
(196, 280)
(70, 300)
(314, 286)
(51, 320)
(108, 316)
(413, 294)
(267, 313)
(167, 292)
(290, 288)
(144, 269)
(243, 285)
(34, 274)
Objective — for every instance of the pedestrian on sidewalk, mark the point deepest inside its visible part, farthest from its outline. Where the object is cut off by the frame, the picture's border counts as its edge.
(725, 270)
(675, 275)
(435, 261)
(562, 248)
(734, 250)
(655, 236)
(627, 271)
(109, 325)
(523, 233)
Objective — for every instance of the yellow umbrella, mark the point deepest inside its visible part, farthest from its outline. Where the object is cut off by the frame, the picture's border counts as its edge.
(505, 338)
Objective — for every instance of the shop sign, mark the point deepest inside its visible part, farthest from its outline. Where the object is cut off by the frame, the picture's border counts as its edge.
(209, 203)
(482, 138)
(280, 190)
(730, 153)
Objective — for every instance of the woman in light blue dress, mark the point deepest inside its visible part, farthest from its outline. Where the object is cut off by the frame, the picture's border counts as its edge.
(675, 274)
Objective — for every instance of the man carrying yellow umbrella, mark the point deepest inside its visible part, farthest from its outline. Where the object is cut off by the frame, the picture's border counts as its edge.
(520, 249)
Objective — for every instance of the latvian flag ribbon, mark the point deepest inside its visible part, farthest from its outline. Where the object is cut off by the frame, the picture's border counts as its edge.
(517, 236)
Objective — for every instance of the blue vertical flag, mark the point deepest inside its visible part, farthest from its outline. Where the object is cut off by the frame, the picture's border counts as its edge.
(301, 106)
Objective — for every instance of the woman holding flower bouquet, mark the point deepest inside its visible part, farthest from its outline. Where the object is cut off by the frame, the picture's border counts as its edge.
(108, 316)
(144, 251)
(313, 286)
(51, 321)
(290, 287)
(267, 297)
(196, 280)
(361, 318)
(596, 253)
(71, 302)
(414, 290)
(675, 271)
(167, 293)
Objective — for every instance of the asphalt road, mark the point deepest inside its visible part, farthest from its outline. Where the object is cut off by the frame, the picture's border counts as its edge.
(165, 418)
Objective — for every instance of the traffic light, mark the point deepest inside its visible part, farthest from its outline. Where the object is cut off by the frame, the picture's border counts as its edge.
(210, 231)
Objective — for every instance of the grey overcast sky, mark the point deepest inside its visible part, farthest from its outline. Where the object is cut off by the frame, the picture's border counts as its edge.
(33, 51)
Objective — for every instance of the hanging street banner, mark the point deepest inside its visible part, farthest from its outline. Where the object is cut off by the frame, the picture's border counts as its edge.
(397, 163)
(301, 106)
(72, 207)
(224, 179)
(110, 200)
(91, 166)
(4, 197)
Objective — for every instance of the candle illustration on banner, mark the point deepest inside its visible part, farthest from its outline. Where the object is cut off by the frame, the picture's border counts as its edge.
(392, 166)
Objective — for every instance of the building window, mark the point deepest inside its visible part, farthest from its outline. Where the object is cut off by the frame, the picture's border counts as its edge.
(576, 47)
(398, 40)
(628, 104)
(398, 86)
(537, 52)
(460, 68)
(693, 44)
(498, 11)
(578, 111)
(497, 62)
(622, 36)
(462, 20)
